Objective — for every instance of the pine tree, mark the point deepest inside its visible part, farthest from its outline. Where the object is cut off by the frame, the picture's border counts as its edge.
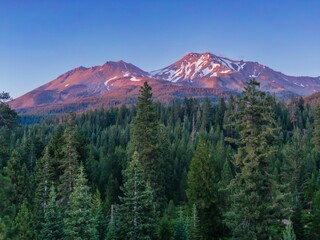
(315, 216)
(43, 178)
(97, 212)
(288, 233)
(2, 230)
(295, 178)
(7, 199)
(79, 221)
(181, 229)
(203, 189)
(44, 175)
(145, 130)
(113, 228)
(138, 217)
(254, 198)
(8, 117)
(18, 174)
(24, 224)
(68, 164)
(316, 133)
(52, 226)
(194, 225)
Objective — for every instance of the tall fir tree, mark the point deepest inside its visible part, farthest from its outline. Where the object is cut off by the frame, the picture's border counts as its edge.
(181, 228)
(24, 224)
(99, 217)
(145, 140)
(79, 220)
(113, 225)
(203, 190)
(7, 201)
(68, 164)
(19, 178)
(137, 212)
(254, 198)
(288, 233)
(2, 230)
(44, 176)
(294, 176)
(52, 225)
(315, 216)
(316, 133)
(194, 225)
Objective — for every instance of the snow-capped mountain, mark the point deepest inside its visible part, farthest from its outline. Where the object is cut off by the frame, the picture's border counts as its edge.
(195, 75)
(195, 66)
(209, 70)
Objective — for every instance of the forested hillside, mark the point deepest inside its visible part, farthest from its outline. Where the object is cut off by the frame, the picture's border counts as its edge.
(246, 167)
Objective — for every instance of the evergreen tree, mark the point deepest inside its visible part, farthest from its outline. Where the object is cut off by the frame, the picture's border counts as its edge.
(316, 133)
(8, 117)
(288, 233)
(113, 228)
(138, 217)
(68, 164)
(7, 199)
(202, 190)
(17, 172)
(79, 221)
(145, 130)
(294, 176)
(194, 225)
(181, 230)
(8, 122)
(24, 224)
(2, 230)
(315, 216)
(99, 218)
(44, 175)
(52, 226)
(254, 202)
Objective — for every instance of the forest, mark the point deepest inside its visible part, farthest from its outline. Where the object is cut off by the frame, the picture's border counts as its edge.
(246, 167)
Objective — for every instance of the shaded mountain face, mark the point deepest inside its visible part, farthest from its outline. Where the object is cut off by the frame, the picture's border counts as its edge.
(195, 75)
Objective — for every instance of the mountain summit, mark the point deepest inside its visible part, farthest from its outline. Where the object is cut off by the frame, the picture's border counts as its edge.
(196, 75)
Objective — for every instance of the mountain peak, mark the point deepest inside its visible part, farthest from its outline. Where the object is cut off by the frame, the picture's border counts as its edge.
(198, 65)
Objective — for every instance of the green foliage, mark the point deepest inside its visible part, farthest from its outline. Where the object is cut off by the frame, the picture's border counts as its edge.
(2, 230)
(181, 230)
(97, 213)
(254, 207)
(315, 211)
(145, 140)
(194, 225)
(24, 224)
(203, 189)
(248, 171)
(113, 228)
(79, 221)
(316, 133)
(8, 117)
(69, 163)
(288, 233)
(52, 226)
(138, 216)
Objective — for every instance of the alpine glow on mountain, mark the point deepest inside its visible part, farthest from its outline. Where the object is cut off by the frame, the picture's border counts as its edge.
(196, 75)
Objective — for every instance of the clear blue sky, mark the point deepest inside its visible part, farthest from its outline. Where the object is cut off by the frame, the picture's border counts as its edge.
(40, 40)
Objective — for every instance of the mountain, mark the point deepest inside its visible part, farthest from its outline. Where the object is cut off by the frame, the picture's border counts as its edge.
(211, 71)
(195, 75)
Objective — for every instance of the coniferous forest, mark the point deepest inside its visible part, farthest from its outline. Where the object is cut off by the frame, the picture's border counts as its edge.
(246, 167)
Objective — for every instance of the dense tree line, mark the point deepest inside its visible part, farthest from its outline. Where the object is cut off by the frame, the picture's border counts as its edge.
(246, 167)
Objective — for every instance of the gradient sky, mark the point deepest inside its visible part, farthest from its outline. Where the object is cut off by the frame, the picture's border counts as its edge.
(40, 40)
